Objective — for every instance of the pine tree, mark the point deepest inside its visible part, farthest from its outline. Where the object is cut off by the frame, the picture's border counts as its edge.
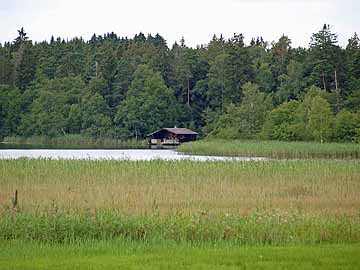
(325, 60)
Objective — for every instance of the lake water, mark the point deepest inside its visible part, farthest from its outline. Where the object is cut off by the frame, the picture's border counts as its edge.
(112, 154)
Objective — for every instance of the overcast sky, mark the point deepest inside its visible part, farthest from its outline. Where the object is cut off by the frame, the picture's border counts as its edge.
(196, 20)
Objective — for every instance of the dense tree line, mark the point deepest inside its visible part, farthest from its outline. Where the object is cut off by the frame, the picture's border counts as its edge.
(125, 88)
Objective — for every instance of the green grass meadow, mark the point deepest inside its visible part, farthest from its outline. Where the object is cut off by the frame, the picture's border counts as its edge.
(168, 255)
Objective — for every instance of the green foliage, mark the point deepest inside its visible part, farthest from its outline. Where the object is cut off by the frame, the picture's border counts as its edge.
(50, 107)
(216, 78)
(325, 58)
(6, 66)
(48, 115)
(95, 117)
(281, 52)
(10, 108)
(148, 106)
(244, 121)
(292, 83)
(74, 119)
(320, 119)
(352, 55)
(282, 123)
(264, 78)
(353, 100)
(346, 126)
(60, 82)
(24, 61)
(310, 119)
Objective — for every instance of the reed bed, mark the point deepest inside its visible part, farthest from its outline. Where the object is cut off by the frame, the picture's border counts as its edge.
(273, 149)
(255, 229)
(266, 202)
(74, 141)
(316, 187)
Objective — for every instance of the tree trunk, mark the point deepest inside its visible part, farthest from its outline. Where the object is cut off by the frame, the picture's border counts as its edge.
(188, 92)
(336, 82)
(323, 79)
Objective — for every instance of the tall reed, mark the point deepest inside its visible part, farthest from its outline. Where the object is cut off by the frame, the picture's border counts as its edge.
(74, 141)
(315, 187)
(267, 202)
(254, 229)
(273, 149)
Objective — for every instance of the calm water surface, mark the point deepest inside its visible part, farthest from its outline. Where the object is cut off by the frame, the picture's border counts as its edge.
(110, 154)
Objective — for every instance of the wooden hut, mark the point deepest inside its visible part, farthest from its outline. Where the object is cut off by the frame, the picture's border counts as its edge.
(171, 136)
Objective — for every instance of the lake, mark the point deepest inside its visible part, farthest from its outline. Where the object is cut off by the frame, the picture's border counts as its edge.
(111, 154)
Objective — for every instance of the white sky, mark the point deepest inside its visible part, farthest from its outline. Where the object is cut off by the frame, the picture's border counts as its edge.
(196, 20)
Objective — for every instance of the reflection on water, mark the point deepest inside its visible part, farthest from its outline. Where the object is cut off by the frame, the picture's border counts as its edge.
(108, 154)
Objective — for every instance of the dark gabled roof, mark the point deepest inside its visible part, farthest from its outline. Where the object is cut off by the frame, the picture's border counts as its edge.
(177, 131)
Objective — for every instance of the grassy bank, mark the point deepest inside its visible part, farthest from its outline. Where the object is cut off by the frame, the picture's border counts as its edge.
(129, 255)
(74, 141)
(274, 149)
(256, 203)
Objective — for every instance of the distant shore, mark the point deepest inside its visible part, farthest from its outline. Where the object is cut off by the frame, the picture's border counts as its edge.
(77, 141)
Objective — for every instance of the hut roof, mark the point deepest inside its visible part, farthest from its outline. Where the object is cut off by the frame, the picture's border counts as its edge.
(178, 131)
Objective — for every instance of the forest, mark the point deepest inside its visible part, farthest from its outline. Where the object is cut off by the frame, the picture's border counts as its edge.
(125, 88)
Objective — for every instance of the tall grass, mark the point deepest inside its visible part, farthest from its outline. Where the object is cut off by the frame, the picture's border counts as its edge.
(316, 187)
(272, 202)
(274, 149)
(74, 141)
(253, 229)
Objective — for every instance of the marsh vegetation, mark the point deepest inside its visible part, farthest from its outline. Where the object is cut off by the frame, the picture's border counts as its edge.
(272, 202)
(273, 149)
